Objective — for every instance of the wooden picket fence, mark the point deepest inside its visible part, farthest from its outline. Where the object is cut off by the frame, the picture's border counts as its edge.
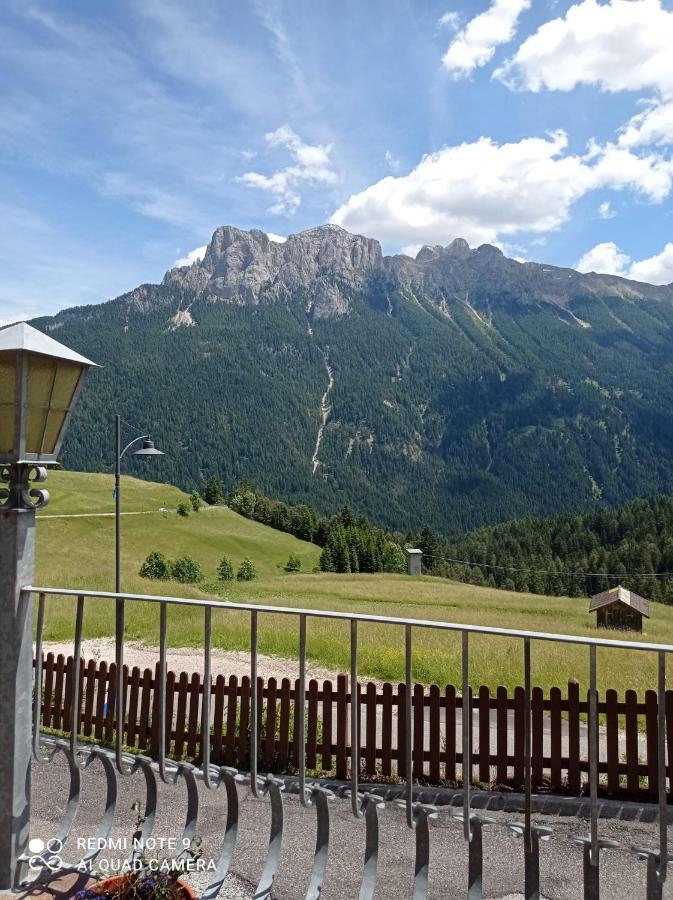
(628, 740)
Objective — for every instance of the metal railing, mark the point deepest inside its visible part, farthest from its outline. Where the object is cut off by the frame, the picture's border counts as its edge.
(312, 795)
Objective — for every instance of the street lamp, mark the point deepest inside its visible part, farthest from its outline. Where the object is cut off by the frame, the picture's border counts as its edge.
(147, 449)
(40, 380)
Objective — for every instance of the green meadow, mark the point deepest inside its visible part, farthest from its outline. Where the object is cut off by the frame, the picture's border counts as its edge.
(78, 552)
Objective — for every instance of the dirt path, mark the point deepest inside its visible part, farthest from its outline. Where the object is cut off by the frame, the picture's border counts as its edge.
(190, 659)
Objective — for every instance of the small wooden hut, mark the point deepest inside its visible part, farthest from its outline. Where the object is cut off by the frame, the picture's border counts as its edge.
(620, 608)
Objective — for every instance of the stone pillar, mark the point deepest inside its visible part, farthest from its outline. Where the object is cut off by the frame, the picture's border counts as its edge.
(414, 562)
(17, 562)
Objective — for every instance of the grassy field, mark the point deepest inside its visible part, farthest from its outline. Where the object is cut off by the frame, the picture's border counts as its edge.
(78, 552)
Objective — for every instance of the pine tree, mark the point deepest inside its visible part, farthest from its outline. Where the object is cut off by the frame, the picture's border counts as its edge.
(212, 493)
(246, 571)
(225, 570)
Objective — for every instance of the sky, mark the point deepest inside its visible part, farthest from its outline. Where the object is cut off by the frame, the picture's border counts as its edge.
(130, 131)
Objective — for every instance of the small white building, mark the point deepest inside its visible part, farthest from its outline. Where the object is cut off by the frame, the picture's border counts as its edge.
(414, 558)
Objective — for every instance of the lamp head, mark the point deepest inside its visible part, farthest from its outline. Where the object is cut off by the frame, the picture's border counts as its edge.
(148, 449)
(40, 381)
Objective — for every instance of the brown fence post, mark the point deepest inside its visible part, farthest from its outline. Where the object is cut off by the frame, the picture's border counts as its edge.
(284, 726)
(555, 727)
(450, 732)
(181, 714)
(612, 740)
(631, 727)
(484, 735)
(232, 712)
(327, 726)
(341, 726)
(146, 706)
(537, 736)
(574, 773)
(435, 714)
(501, 735)
(519, 734)
(401, 731)
(370, 745)
(652, 732)
(312, 725)
(269, 754)
(218, 721)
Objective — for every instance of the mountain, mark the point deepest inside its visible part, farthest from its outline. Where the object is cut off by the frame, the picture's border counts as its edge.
(456, 389)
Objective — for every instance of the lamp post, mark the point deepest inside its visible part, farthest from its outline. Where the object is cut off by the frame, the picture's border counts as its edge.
(40, 381)
(147, 449)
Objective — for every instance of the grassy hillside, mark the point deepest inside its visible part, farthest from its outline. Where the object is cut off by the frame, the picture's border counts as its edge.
(78, 552)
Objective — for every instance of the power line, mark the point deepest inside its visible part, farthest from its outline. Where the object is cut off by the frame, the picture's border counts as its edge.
(465, 562)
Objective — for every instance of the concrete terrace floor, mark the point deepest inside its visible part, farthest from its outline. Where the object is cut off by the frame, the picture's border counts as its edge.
(622, 875)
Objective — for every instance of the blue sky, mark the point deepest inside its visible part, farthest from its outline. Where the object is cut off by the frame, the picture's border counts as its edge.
(130, 131)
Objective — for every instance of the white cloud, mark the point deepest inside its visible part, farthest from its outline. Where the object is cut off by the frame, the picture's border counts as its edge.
(652, 126)
(655, 269)
(193, 256)
(605, 210)
(619, 45)
(312, 165)
(607, 258)
(449, 20)
(483, 190)
(475, 45)
(276, 238)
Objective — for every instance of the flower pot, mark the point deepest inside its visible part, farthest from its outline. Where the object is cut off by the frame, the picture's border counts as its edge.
(112, 884)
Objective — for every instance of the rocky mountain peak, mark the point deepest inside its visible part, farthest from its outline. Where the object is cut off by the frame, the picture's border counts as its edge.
(329, 268)
(327, 263)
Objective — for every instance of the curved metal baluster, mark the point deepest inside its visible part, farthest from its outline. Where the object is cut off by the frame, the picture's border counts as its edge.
(107, 821)
(205, 707)
(189, 831)
(273, 787)
(409, 728)
(657, 860)
(356, 806)
(163, 771)
(662, 868)
(466, 723)
(75, 686)
(119, 692)
(472, 825)
(592, 845)
(311, 795)
(320, 799)
(38, 749)
(369, 805)
(229, 777)
(532, 834)
(254, 786)
(304, 793)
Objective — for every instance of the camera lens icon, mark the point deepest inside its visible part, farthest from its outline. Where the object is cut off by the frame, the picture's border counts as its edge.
(45, 854)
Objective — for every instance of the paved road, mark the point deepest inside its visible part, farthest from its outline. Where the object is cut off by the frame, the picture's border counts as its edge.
(622, 876)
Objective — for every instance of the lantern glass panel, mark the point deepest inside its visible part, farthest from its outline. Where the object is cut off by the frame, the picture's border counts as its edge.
(7, 379)
(67, 376)
(41, 370)
(7, 423)
(7, 402)
(55, 421)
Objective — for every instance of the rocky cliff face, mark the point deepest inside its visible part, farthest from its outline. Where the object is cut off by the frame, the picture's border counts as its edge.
(325, 264)
(329, 267)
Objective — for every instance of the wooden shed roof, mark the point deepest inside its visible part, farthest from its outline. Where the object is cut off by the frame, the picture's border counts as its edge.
(621, 595)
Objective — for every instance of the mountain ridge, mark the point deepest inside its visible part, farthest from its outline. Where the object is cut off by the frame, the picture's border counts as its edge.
(458, 388)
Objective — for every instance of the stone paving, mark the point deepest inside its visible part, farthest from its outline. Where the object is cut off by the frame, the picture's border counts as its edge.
(622, 875)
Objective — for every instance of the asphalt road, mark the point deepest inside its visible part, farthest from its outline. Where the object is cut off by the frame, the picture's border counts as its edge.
(622, 875)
